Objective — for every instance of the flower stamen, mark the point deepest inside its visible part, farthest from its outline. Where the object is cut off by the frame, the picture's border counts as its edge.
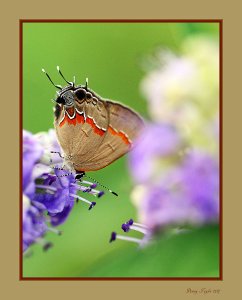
(134, 226)
(91, 189)
(92, 204)
(115, 236)
(46, 187)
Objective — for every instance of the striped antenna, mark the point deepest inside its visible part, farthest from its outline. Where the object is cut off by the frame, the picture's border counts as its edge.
(69, 82)
(56, 85)
(101, 185)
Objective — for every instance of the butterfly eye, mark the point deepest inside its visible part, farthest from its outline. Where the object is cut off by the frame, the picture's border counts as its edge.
(60, 100)
(80, 94)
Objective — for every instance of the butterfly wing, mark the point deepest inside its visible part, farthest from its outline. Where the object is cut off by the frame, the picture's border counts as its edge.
(124, 125)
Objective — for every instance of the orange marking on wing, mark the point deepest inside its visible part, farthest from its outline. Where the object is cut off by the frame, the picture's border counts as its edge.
(70, 111)
(94, 126)
(68, 120)
(120, 134)
(71, 121)
(79, 118)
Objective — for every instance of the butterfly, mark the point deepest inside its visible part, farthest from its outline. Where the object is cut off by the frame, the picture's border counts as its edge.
(92, 131)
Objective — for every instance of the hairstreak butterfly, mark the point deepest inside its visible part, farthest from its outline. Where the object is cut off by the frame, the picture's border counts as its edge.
(93, 132)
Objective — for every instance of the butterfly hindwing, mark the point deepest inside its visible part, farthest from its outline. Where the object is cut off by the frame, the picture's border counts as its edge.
(123, 128)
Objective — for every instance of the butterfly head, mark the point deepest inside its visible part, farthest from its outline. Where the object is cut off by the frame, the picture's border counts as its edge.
(68, 95)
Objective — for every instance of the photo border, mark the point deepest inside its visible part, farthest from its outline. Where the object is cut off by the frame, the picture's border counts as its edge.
(220, 22)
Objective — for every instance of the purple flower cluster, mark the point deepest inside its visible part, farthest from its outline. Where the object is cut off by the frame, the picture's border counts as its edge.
(186, 192)
(49, 193)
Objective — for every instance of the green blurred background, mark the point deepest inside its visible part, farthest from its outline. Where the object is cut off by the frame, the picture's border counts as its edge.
(111, 56)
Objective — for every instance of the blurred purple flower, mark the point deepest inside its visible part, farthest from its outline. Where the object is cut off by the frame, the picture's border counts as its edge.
(201, 180)
(156, 141)
(187, 194)
(174, 164)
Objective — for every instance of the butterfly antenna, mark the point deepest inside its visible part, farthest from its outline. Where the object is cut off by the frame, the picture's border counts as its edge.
(86, 83)
(56, 85)
(101, 185)
(58, 69)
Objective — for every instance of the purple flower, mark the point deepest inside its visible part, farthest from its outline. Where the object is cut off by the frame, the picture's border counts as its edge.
(32, 152)
(60, 195)
(175, 185)
(48, 194)
(187, 194)
(157, 141)
(200, 178)
(34, 226)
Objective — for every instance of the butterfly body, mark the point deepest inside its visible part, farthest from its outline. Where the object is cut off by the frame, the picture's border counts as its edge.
(92, 131)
